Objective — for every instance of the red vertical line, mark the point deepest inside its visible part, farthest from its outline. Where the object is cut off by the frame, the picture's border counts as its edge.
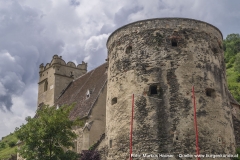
(131, 127)
(195, 122)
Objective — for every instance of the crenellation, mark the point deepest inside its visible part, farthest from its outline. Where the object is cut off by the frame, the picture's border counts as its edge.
(57, 61)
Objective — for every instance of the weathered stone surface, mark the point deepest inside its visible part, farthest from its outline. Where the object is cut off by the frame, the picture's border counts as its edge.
(171, 54)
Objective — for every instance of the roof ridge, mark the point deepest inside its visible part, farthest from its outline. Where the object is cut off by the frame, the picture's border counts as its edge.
(89, 72)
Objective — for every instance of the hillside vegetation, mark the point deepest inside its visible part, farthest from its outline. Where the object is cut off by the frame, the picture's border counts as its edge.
(231, 47)
(8, 146)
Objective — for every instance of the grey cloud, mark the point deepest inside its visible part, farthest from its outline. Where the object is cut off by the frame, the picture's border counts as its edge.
(23, 46)
(74, 2)
(121, 17)
(107, 28)
(95, 50)
(5, 102)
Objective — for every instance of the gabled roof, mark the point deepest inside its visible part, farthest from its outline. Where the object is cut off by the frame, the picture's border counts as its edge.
(76, 92)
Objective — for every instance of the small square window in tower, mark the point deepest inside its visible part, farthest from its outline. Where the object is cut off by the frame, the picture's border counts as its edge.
(210, 92)
(114, 100)
(174, 42)
(153, 90)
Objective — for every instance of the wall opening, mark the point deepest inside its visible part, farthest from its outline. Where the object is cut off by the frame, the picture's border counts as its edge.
(219, 140)
(114, 100)
(215, 50)
(45, 86)
(210, 92)
(110, 144)
(71, 74)
(153, 89)
(174, 43)
(129, 49)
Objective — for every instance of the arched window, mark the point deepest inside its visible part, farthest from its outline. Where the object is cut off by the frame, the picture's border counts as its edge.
(46, 86)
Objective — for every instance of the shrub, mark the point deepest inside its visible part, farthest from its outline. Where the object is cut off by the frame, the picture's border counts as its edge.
(90, 155)
(3, 145)
(11, 144)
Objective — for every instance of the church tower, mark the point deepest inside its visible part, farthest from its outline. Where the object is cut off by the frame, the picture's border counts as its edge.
(54, 77)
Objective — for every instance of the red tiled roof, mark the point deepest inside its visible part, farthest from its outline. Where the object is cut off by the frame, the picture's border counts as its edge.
(76, 92)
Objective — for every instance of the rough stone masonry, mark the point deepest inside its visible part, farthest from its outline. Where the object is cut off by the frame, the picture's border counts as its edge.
(159, 60)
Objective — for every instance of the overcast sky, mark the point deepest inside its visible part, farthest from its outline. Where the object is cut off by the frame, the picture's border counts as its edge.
(32, 31)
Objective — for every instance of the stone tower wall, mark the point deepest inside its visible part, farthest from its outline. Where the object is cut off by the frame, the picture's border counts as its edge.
(57, 75)
(159, 60)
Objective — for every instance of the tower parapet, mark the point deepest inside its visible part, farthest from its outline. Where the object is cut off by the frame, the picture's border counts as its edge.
(58, 61)
(55, 76)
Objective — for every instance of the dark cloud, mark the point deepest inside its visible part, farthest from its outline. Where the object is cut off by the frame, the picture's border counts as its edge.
(74, 2)
(5, 102)
(22, 48)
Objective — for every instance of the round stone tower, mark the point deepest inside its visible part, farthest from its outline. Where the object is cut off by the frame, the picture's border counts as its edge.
(159, 60)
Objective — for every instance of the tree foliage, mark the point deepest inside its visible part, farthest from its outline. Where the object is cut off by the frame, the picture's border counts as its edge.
(237, 62)
(231, 47)
(90, 155)
(48, 135)
(237, 152)
(232, 58)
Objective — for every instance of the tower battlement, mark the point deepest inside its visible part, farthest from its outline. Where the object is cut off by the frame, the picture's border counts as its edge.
(55, 76)
(57, 60)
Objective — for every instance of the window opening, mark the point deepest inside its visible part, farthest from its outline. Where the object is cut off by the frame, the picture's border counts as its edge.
(210, 92)
(174, 43)
(110, 143)
(114, 100)
(129, 49)
(71, 74)
(45, 86)
(219, 140)
(153, 90)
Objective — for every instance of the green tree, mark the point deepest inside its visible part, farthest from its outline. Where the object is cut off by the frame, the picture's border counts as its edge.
(48, 135)
(2, 145)
(11, 144)
(237, 63)
(237, 152)
(231, 47)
